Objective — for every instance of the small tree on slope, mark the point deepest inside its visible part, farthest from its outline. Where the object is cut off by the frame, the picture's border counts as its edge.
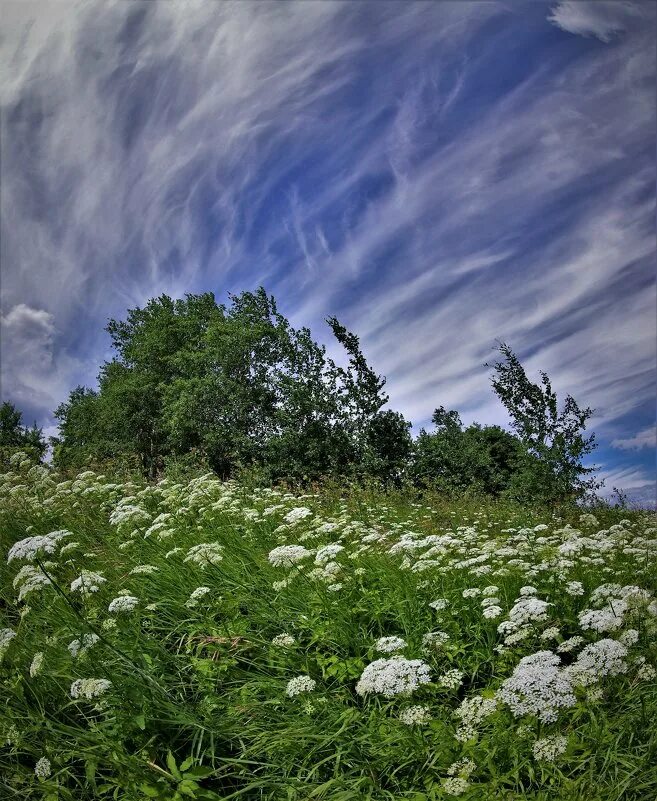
(554, 440)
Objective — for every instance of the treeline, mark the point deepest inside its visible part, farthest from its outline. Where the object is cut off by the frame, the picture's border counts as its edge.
(237, 388)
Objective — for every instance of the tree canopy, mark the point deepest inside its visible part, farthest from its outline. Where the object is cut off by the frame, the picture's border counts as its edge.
(235, 387)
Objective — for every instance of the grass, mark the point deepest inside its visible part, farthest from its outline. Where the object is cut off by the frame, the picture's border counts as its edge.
(197, 706)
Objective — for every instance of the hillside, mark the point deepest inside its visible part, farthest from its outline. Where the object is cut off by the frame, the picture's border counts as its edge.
(201, 639)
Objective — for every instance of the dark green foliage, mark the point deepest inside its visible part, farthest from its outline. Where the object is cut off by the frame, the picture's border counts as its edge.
(478, 459)
(237, 389)
(238, 386)
(14, 436)
(554, 440)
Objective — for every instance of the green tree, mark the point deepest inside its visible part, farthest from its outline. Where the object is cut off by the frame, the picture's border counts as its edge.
(478, 458)
(14, 436)
(235, 383)
(554, 439)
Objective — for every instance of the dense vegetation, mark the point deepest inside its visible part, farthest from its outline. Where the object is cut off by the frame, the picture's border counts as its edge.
(236, 388)
(199, 639)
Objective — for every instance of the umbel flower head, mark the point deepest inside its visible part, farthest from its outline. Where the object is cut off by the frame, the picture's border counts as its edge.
(300, 684)
(42, 769)
(30, 547)
(89, 688)
(288, 555)
(538, 686)
(123, 604)
(394, 676)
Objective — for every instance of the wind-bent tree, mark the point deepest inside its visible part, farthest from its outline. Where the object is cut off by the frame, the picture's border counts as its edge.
(554, 439)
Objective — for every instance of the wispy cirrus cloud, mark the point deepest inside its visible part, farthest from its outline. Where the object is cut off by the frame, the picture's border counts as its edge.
(646, 438)
(438, 175)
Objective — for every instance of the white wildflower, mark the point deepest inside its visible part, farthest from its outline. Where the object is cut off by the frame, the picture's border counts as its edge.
(300, 684)
(207, 553)
(123, 604)
(432, 640)
(29, 548)
(283, 640)
(629, 637)
(394, 676)
(596, 660)
(89, 688)
(549, 748)
(80, 647)
(328, 552)
(452, 680)
(297, 514)
(415, 715)
(6, 636)
(42, 769)
(570, 644)
(388, 645)
(87, 582)
(574, 588)
(538, 686)
(439, 604)
(146, 570)
(37, 664)
(288, 555)
(455, 786)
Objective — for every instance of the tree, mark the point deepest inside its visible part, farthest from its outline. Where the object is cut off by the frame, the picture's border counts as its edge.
(237, 384)
(554, 440)
(478, 458)
(14, 436)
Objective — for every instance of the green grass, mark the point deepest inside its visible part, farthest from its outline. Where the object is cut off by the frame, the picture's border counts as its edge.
(197, 706)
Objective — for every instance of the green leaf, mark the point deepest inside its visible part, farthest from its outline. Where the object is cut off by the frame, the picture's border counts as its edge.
(171, 764)
(186, 764)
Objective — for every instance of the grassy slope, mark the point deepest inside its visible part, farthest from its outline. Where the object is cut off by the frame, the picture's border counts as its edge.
(198, 706)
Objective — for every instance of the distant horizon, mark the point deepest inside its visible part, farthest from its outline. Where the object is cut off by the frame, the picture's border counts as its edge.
(438, 176)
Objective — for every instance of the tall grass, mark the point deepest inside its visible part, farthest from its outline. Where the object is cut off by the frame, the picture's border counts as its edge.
(198, 705)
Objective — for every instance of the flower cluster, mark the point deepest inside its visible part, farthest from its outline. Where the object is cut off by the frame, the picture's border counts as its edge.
(300, 684)
(394, 676)
(288, 555)
(89, 688)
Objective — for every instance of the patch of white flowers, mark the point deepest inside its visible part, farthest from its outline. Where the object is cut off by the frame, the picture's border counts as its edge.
(300, 684)
(538, 686)
(415, 715)
(288, 555)
(388, 645)
(123, 604)
(87, 582)
(197, 594)
(80, 647)
(547, 749)
(394, 676)
(42, 769)
(283, 640)
(30, 547)
(207, 553)
(89, 688)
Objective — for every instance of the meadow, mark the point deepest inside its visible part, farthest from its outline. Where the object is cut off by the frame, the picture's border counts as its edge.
(200, 639)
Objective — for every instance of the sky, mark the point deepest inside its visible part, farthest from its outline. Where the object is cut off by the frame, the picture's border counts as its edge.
(438, 175)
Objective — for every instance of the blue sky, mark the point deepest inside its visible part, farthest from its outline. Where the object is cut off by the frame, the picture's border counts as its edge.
(438, 175)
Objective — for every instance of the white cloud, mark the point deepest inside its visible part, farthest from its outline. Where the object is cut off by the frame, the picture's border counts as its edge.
(647, 438)
(34, 376)
(598, 18)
